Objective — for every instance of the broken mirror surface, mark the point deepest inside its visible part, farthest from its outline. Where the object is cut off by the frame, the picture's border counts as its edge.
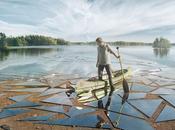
(38, 118)
(29, 90)
(104, 99)
(62, 99)
(56, 109)
(31, 83)
(114, 103)
(142, 88)
(135, 96)
(128, 123)
(169, 98)
(167, 114)
(53, 91)
(23, 103)
(146, 106)
(163, 91)
(91, 121)
(9, 112)
(74, 111)
(19, 97)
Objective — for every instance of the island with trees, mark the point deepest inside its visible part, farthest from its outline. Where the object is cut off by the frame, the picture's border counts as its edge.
(161, 47)
(29, 40)
(161, 43)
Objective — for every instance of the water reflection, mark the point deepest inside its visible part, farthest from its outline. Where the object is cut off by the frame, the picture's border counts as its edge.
(107, 105)
(101, 106)
(31, 51)
(161, 52)
(4, 54)
(110, 94)
(26, 52)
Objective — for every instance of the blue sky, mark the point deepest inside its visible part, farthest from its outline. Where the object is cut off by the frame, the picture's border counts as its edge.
(84, 20)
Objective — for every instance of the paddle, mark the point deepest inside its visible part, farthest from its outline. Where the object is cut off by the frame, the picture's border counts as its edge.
(125, 83)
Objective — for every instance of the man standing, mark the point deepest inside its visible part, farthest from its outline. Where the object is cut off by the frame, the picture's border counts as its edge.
(103, 60)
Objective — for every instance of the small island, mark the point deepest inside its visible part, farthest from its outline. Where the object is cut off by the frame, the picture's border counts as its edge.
(161, 47)
(161, 43)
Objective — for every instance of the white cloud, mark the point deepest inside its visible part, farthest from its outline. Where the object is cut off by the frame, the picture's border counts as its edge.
(86, 19)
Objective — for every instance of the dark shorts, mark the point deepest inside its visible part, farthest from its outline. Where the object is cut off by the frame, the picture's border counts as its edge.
(108, 70)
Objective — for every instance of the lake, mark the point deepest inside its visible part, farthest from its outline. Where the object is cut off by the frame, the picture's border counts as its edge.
(81, 60)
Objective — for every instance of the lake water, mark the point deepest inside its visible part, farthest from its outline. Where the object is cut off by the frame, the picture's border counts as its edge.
(81, 60)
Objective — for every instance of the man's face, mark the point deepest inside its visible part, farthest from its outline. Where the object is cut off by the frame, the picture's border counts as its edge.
(99, 43)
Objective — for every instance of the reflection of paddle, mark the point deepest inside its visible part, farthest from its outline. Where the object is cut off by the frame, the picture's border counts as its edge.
(125, 83)
(124, 98)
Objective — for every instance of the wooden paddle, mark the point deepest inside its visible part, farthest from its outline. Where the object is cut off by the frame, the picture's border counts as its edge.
(125, 83)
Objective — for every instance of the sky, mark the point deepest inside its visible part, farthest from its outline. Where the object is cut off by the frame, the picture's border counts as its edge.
(84, 20)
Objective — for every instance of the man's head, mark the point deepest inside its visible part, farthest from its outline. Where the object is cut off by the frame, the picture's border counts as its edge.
(99, 40)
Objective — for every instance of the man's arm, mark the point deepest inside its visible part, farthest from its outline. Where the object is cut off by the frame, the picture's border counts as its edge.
(111, 51)
(97, 59)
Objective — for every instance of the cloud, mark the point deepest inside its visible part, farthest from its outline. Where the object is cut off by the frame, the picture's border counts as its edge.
(84, 20)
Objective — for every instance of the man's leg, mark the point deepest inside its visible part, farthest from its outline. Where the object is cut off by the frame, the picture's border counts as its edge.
(100, 71)
(108, 70)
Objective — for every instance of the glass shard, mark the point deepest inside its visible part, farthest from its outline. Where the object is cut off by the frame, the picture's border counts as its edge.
(129, 123)
(167, 114)
(74, 111)
(23, 103)
(169, 98)
(146, 106)
(28, 90)
(19, 97)
(38, 118)
(31, 83)
(163, 91)
(90, 121)
(135, 95)
(56, 109)
(59, 99)
(142, 88)
(52, 91)
(114, 103)
(8, 112)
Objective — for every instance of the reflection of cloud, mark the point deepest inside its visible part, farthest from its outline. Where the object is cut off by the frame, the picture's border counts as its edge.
(75, 19)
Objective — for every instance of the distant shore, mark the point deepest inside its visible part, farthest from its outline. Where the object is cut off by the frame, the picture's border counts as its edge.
(40, 40)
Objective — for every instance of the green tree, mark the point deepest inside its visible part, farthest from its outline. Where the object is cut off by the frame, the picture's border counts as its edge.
(3, 43)
(161, 43)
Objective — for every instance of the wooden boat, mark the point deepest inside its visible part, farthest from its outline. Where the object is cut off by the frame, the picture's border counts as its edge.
(86, 86)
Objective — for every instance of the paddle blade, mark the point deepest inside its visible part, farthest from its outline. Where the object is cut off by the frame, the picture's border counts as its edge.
(125, 86)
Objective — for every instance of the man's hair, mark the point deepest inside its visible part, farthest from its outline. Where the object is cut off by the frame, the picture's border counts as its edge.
(99, 39)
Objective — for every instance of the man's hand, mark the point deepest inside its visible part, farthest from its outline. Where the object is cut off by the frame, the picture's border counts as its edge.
(117, 56)
(96, 64)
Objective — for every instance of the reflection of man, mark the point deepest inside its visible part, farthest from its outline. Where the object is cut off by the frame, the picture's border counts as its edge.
(106, 107)
(103, 60)
(101, 106)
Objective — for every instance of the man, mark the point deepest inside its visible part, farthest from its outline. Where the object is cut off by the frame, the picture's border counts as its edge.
(103, 60)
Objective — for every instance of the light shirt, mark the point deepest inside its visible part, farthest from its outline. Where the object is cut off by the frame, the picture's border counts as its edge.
(103, 55)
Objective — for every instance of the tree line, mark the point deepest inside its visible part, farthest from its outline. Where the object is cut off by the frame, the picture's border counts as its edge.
(37, 40)
(29, 40)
